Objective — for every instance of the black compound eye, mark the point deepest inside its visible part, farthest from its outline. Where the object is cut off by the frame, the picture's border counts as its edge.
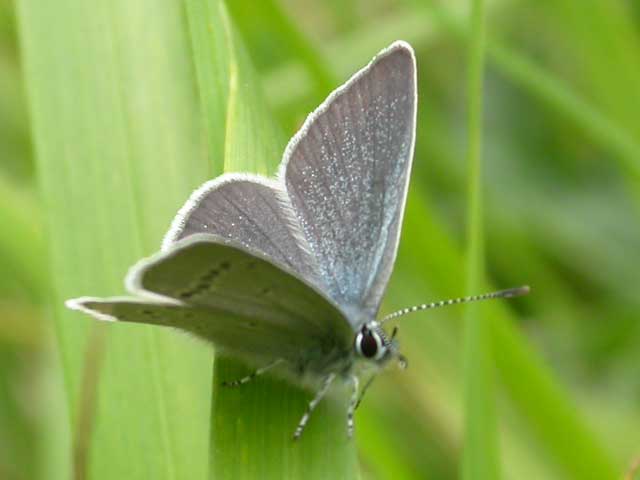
(369, 344)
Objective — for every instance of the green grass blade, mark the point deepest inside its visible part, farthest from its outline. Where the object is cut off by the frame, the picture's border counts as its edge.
(252, 427)
(556, 425)
(115, 122)
(600, 127)
(281, 31)
(23, 249)
(559, 427)
(558, 96)
(480, 454)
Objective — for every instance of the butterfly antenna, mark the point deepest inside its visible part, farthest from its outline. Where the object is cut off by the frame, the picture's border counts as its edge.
(509, 293)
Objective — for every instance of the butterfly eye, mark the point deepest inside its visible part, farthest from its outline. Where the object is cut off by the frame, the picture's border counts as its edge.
(369, 344)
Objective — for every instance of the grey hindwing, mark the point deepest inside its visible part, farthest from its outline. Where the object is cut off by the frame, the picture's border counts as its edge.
(255, 341)
(258, 342)
(346, 174)
(210, 272)
(239, 300)
(246, 209)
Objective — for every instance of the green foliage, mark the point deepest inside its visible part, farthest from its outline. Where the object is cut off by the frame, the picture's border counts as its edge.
(116, 133)
(134, 104)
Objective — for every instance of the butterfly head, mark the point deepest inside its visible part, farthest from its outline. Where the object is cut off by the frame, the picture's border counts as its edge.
(372, 343)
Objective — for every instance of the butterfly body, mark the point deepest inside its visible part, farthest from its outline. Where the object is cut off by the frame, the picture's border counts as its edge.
(290, 272)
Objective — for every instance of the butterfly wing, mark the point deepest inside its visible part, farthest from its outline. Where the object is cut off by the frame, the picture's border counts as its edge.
(247, 209)
(222, 291)
(255, 341)
(346, 174)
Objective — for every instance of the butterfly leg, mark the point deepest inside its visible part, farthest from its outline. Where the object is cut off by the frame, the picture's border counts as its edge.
(248, 378)
(313, 403)
(352, 405)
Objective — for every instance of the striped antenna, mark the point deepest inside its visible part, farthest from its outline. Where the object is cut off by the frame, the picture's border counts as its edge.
(509, 293)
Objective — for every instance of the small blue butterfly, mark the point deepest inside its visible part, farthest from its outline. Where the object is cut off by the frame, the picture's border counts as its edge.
(290, 272)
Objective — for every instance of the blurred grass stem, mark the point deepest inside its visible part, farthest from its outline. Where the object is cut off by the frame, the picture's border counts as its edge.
(480, 454)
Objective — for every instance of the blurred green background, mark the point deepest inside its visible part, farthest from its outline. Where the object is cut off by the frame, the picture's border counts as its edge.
(562, 202)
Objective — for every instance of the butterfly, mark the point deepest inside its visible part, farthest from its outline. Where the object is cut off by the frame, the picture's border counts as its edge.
(290, 271)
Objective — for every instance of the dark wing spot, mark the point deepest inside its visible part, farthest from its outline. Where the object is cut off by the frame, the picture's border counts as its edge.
(211, 275)
(205, 282)
(150, 313)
